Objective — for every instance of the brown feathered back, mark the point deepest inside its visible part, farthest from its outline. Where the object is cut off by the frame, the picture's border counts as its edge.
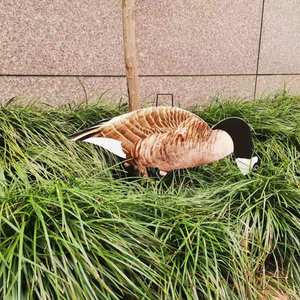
(132, 127)
(164, 137)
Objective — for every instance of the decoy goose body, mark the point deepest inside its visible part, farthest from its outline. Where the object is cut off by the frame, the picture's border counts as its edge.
(170, 138)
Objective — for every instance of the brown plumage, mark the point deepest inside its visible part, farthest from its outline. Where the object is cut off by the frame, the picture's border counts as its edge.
(167, 138)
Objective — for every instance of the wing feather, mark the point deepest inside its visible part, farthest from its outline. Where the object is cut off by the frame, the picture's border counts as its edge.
(132, 127)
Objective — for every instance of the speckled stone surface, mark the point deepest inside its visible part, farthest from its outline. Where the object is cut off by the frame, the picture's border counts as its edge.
(190, 91)
(61, 37)
(280, 48)
(198, 36)
(85, 37)
(56, 91)
(174, 37)
(267, 85)
(187, 91)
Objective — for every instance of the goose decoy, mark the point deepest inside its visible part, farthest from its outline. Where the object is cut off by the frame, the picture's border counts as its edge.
(170, 138)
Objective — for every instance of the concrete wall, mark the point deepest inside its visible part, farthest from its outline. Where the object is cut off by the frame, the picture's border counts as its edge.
(58, 51)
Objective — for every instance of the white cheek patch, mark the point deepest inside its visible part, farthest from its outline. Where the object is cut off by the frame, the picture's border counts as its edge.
(245, 165)
(114, 146)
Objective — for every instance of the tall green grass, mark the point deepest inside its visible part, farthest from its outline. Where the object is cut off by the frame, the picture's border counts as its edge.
(74, 226)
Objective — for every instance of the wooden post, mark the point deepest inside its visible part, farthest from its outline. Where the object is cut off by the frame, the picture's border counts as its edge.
(130, 53)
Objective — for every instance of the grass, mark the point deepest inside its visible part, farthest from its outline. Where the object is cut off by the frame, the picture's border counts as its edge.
(69, 229)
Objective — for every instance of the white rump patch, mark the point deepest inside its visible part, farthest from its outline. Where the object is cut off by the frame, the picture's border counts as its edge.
(163, 173)
(245, 165)
(114, 146)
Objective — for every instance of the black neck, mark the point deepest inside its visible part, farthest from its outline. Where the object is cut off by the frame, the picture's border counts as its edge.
(240, 133)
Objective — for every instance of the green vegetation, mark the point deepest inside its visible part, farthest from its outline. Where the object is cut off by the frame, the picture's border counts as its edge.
(69, 230)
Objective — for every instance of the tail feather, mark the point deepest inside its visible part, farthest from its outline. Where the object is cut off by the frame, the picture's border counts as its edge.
(92, 135)
(87, 132)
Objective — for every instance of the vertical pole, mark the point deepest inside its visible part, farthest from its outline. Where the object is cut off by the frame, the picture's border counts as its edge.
(130, 53)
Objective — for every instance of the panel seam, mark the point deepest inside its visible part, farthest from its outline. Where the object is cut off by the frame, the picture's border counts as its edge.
(148, 75)
(259, 47)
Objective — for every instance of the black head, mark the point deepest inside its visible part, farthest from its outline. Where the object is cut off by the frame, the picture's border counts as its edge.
(240, 133)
